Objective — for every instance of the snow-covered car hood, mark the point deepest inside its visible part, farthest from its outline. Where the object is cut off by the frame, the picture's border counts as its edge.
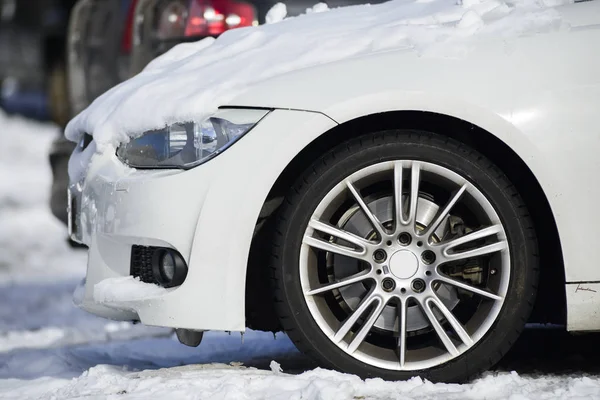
(193, 79)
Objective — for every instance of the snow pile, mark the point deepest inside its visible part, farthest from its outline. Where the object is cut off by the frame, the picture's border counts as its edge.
(41, 338)
(193, 79)
(33, 242)
(275, 367)
(256, 350)
(24, 167)
(219, 381)
(88, 329)
(125, 289)
(276, 13)
(317, 8)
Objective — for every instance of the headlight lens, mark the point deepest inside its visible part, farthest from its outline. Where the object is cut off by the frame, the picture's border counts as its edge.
(187, 144)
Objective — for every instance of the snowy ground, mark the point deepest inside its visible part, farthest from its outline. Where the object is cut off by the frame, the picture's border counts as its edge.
(50, 349)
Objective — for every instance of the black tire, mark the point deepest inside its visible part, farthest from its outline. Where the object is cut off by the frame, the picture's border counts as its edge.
(357, 153)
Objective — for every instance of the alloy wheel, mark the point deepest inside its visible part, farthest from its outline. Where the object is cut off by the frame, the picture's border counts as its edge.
(404, 265)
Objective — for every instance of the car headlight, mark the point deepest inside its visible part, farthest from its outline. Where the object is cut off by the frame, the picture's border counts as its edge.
(187, 144)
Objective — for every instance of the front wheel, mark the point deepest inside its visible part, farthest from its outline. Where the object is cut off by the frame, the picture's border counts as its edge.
(404, 253)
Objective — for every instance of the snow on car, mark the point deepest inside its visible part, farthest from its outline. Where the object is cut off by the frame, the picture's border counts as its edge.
(387, 184)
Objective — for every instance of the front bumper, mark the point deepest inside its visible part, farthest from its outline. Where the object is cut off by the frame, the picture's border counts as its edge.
(115, 208)
(207, 213)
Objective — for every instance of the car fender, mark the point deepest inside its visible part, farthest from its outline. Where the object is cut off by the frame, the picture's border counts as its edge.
(519, 90)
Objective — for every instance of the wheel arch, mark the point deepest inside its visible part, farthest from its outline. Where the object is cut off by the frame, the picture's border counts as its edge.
(259, 314)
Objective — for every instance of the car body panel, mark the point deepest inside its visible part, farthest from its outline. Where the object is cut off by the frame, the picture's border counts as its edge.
(520, 90)
(583, 301)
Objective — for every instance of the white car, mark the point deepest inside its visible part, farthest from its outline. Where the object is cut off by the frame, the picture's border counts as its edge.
(389, 185)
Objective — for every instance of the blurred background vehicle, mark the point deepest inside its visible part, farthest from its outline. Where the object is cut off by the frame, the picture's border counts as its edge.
(161, 24)
(32, 58)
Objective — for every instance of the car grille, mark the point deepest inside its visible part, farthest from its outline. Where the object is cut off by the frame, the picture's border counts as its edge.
(141, 263)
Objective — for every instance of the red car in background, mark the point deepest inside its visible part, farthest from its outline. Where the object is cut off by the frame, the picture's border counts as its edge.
(159, 25)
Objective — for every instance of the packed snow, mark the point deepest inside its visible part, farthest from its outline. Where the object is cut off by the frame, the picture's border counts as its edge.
(193, 79)
(49, 349)
(276, 13)
(125, 288)
(317, 8)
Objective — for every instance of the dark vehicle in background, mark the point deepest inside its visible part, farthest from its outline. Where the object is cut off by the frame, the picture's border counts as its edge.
(97, 58)
(32, 58)
(33, 71)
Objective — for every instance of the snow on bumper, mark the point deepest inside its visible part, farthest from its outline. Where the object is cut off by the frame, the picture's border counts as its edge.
(208, 214)
(115, 208)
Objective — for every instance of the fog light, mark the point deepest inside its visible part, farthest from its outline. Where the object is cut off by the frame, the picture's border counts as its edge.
(169, 267)
(166, 266)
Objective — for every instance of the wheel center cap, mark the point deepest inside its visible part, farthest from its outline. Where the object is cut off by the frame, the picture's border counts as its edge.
(404, 264)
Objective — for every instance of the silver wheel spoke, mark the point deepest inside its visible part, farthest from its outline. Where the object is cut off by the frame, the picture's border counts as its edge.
(339, 233)
(352, 318)
(456, 325)
(372, 218)
(402, 309)
(398, 203)
(361, 276)
(439, 329)
(479, 251)
(447, 247)
(467, 287)
(366, 327)
(415, 178)
(445, 212)
(333, 247)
